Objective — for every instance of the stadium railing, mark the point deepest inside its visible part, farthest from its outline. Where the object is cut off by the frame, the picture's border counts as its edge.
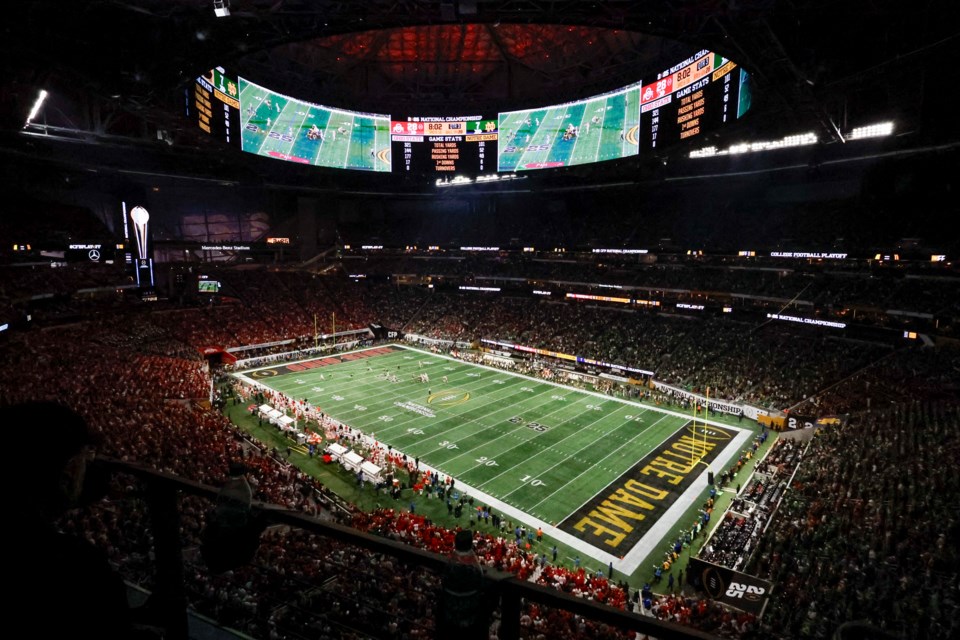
(161, 495)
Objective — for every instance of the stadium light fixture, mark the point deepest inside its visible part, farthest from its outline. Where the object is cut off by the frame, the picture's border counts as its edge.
(796, 140)
(41, 97)
(459, 181)
(872, 131)
(221, 8)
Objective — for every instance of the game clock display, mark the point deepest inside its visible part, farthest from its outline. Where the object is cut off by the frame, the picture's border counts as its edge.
(447, 145)
(690, 99)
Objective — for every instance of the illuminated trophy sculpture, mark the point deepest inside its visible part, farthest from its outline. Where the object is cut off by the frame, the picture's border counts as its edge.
(140, 218)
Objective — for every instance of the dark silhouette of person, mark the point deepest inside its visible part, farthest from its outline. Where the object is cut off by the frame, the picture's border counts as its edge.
(463, 612)
(62, 576)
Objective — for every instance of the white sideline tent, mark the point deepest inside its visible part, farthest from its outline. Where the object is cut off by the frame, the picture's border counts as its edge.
(288, 426)
(336, 451)
(370, 471)
(351, 460)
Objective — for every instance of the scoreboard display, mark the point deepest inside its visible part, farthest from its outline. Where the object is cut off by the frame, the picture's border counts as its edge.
(699, 95)
(213, 102)
(444, 145)
(695, 97)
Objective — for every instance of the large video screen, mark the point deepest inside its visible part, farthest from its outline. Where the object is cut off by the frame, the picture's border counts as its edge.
(692, 98)
(445, 144)
(696, 96)
(277, 126)
(604, 127)
(206, 285)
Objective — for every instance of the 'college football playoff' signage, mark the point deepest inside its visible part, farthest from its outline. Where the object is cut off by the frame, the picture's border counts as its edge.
(381, 332)
(729, 587)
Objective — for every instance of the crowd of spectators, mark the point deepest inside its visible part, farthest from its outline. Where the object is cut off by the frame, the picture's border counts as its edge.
(258, 306)
(302, 585)
(842, 543)
(906, 375)
(866, 529)
(23, 281)
(733, 541)
(830, 288)
(771, 365)
(138, 405)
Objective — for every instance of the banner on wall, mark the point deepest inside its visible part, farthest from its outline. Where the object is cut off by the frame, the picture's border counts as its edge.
(797, 421)
(732, 588)
(719, 406)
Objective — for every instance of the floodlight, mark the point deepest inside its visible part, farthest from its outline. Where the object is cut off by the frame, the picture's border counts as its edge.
(872, 131)
(36, 106)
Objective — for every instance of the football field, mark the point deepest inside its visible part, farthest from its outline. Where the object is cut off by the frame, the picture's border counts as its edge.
(603, 128)
(599, 472)
(276, 126)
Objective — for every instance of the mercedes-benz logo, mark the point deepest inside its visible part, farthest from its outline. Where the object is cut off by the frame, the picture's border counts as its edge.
(94, 255)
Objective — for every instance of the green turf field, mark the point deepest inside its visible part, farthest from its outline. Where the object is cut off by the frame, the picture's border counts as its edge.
(590, 466)
(276, 126)
(601, 128)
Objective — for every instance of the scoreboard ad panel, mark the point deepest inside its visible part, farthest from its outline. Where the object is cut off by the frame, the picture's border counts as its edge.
(445, 144)
(695, 97)
(213, 103)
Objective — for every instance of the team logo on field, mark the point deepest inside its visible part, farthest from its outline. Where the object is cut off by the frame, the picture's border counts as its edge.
(263, 373)
(707, 432)
(449, 398)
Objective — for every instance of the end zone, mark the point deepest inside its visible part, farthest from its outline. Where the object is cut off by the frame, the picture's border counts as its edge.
(616, 519)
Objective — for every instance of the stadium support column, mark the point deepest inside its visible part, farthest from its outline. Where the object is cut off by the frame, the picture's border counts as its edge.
(308, 212)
